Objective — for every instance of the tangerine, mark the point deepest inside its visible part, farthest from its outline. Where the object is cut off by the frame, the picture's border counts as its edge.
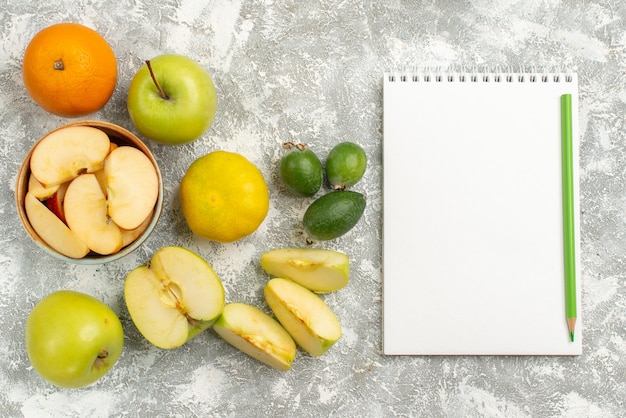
(69, 70)
(223, 196)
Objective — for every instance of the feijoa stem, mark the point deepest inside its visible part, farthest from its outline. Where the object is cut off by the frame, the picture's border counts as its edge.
(291, 145)
(156, 83)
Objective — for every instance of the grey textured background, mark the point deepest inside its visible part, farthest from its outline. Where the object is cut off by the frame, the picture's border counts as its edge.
(312, 72)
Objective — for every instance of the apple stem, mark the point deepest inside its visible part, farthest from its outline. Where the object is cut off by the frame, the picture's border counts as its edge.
(161, 92)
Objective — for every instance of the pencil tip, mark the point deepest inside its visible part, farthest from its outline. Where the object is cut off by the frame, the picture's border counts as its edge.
(571, 322)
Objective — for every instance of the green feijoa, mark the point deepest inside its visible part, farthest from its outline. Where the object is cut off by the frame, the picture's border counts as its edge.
(301, 170)
(333, 214)
(345, 165)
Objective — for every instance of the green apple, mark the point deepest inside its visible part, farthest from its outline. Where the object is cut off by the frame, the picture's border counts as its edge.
(304, 315)
(257, 334)
(174, 297)
(73, 339)
(172, 99)
(316, 269)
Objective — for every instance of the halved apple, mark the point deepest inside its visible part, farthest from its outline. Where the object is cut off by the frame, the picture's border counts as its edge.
(52, 230)
(64, 154)
(132, 186)
(174, 297)
(316, 269)
(304, 315)
(257, 334)
(86, 214)
(38, 190)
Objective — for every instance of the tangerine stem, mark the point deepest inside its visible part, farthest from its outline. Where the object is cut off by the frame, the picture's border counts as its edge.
(161, 92)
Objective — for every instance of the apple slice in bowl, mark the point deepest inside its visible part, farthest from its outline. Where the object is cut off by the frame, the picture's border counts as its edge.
(135, 228)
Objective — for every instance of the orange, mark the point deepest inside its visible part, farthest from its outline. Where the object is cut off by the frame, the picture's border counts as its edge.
(223, 196)
(69, 70)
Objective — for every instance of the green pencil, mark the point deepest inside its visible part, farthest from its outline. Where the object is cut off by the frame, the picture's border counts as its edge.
(569, 245)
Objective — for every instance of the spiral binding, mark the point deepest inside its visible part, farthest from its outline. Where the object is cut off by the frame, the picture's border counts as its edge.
(486, 75)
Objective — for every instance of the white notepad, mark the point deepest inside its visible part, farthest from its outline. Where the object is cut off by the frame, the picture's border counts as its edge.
(473, 217)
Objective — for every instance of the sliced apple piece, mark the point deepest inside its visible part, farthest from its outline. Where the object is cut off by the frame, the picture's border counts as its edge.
(132, 186)
(40, 191)
(64, 154)
(174, 297)
(100, 173)
(86, 214)
(256, 334)
(304, 315)
(130, 235)
(55, 202)
(316, 269)
(52, 230)
(101, 180)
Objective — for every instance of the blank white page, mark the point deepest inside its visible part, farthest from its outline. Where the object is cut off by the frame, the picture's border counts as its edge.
(473, 218)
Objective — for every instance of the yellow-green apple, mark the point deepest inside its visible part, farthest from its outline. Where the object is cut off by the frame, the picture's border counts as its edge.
(172, 99)
(132, 186)
(64, 154)
(52, 230)
(304, 315)
(174, 297)
(257, 334)
(319, 270)
(85, 208)
(73, 339)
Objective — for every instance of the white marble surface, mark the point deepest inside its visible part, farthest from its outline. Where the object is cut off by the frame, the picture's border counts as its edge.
(312, 72)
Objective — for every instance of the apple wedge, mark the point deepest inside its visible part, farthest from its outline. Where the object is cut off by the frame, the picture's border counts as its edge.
(52, 230)
(130, 235)
(38, 190)
(100, 173)
(55, 202)
(174, 297)
(256, 334)
(318, 270)
(64, 154)
(132, 186)
(86, 214)
(304, 315)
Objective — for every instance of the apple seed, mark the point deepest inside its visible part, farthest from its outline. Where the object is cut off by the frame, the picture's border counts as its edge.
(171, 296)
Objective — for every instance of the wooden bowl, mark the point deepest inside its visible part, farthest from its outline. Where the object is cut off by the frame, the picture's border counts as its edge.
(118, 135)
